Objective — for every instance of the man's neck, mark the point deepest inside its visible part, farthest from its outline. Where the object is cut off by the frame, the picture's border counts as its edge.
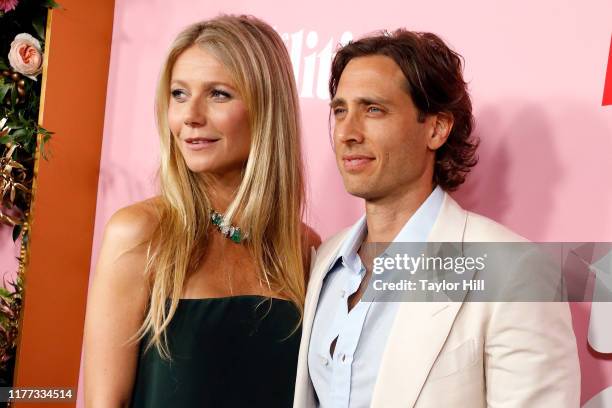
(386, 217)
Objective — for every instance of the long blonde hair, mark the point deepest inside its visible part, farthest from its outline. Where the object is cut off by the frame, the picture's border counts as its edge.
(269, 200)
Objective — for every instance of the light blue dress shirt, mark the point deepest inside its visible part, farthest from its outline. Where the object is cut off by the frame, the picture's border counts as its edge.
(347, 379)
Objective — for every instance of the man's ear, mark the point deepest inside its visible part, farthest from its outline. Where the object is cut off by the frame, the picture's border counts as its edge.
(442, 124)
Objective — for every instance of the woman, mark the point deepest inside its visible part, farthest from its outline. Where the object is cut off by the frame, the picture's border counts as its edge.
(198, 293)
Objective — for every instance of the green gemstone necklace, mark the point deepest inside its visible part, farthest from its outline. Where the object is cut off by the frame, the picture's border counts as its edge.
(228, 231)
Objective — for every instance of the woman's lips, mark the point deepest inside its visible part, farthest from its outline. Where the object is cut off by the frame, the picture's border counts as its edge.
(356, 163)
(196, 144)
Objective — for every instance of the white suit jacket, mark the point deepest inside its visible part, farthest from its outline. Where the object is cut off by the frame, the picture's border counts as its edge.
(455, 354)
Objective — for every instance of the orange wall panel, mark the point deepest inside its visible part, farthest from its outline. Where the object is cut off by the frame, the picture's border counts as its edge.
(78, 46)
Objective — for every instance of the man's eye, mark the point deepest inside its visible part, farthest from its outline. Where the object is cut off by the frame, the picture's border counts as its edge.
(339, 111)
(374, 109)
(220, 94)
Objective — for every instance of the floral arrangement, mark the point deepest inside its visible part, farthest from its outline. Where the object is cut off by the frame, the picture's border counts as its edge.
(22, 41)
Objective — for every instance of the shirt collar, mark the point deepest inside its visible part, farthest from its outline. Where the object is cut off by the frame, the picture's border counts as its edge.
(416, 229)
(348, 250)
(419, 226)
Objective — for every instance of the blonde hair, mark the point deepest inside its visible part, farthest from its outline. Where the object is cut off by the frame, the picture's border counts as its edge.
(269, 200)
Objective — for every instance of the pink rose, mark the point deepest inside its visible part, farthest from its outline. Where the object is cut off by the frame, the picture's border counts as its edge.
(8, 5)
(25, 55)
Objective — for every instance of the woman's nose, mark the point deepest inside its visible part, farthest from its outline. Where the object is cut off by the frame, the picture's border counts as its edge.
(195, 115)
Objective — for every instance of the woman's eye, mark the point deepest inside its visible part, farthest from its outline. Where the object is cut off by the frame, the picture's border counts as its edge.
(178, 94)
(219, 94)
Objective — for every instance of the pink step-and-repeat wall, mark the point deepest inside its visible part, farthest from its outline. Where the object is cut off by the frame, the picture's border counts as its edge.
(537, 73)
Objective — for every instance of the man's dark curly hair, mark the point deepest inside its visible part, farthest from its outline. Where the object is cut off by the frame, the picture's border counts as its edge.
(435, 83)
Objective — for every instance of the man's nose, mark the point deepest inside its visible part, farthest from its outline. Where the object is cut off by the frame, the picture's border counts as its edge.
(349, 130)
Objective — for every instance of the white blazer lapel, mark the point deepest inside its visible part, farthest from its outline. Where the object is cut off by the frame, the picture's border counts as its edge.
(419, 329)
(304, 392)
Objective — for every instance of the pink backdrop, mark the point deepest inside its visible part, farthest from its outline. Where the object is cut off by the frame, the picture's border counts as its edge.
(536, 73)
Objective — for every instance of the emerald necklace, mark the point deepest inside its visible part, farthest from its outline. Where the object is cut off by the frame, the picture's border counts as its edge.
(229, 231)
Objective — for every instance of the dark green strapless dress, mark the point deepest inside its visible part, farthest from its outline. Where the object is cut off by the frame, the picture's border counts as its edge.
(238, 351)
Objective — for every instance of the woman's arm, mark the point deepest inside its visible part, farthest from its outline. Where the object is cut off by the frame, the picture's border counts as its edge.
(115, 308)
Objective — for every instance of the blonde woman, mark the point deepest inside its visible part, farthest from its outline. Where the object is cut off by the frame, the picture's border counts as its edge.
(198, 293)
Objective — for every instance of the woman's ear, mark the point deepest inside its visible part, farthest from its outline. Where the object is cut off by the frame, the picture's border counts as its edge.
(441, 128)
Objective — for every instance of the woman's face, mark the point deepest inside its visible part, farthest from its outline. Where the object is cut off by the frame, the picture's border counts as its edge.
(207, 116)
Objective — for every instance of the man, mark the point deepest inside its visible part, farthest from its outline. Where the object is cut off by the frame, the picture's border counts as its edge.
(402, 126)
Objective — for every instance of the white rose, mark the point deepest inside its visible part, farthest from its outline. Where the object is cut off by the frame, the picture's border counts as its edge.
(25, 55)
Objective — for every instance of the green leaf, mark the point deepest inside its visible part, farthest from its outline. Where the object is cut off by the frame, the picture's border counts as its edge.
(3, 64)
(43, 152)
(14, 94)
(4, 292)
(4, 88)
(21, 118)
(51, 4)
(16, 232)
(39, 25)
(30, 145)
(5, 139)
(20, 133)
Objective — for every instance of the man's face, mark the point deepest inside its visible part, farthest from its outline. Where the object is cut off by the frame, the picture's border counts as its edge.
(381, 147)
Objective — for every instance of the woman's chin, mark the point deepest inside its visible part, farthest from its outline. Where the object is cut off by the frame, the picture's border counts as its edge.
(197, 165)
(230, 174)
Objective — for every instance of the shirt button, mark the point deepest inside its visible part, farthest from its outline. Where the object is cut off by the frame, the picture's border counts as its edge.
(343, 294)
(324, 361)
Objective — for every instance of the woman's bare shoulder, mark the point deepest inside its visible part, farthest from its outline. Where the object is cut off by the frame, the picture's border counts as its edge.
(123, 254)
(117, 302)
(135, 224)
